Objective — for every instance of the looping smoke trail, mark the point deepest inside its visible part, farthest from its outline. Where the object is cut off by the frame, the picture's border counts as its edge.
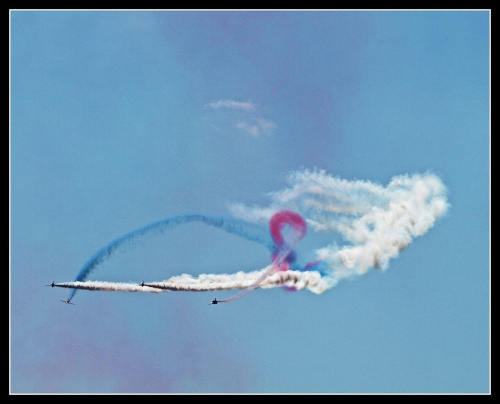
(376, 222)
(248, 231)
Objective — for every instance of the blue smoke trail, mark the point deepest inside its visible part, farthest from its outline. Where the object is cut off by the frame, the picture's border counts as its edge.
(248, 231)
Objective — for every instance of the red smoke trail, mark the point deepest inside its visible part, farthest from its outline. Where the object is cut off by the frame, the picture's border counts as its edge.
(283, 254)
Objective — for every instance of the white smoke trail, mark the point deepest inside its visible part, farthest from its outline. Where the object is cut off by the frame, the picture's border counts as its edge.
(107, 286)
(310, 280)
(376, 222)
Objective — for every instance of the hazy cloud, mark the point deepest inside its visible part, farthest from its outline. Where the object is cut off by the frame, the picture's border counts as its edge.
(258, 127)
(245, 106)
(244, 116)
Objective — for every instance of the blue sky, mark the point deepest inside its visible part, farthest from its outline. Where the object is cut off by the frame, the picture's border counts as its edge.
(115, 124)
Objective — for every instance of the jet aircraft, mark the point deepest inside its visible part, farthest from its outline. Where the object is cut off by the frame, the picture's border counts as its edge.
(150, 286)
